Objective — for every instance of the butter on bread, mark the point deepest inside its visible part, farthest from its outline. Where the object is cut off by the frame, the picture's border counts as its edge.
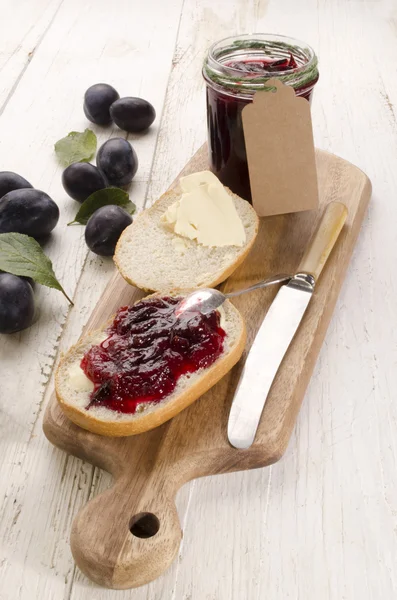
(205, 212)
(149, 255)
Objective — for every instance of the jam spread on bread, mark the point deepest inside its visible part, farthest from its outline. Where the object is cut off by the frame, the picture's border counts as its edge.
(148, 348)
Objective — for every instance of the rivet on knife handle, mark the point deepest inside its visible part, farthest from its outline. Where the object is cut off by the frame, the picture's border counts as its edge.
(278, 329)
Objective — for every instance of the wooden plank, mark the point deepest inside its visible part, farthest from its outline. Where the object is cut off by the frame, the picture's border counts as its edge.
(23, 26)
(85, 43)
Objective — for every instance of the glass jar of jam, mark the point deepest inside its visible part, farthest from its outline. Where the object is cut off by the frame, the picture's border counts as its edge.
(235, 68)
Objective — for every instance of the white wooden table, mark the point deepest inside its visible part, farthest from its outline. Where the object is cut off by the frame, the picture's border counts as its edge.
(322, 523)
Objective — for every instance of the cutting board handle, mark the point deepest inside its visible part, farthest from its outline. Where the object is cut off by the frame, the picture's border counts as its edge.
(324, 239)
(129, 534)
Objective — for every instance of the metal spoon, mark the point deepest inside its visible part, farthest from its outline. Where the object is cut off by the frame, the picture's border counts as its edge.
(206, 300)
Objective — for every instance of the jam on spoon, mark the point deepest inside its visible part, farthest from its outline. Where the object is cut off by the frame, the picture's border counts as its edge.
(148, 348)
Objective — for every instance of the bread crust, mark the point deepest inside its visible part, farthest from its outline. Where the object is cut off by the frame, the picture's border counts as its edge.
(161, 412)
(216, 280)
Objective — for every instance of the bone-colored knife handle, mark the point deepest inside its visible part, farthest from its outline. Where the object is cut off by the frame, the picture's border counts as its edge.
(324, 239)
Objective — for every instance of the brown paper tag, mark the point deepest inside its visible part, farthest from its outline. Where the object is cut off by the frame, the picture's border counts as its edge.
(280, 151)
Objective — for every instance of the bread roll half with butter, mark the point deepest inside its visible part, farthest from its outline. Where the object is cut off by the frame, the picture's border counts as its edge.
(192, 237)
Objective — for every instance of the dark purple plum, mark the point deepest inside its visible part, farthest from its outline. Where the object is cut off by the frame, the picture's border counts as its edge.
(10, 181)
(97, 101)
(81, 179)
(117, 161)
(28, 211)
(104, 228)
(30, 281)
(16, 303)
(132, 114)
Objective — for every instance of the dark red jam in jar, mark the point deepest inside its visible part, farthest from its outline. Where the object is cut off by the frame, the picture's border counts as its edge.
(236, 68)
(148, 348)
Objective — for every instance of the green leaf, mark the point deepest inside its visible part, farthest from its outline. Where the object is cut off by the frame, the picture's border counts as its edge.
(22, 255)
(76, 147)
(110, 195)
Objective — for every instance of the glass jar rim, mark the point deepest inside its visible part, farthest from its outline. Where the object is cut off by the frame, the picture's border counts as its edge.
(221, 75)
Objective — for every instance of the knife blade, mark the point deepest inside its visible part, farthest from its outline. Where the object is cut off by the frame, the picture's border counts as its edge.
(278, 330)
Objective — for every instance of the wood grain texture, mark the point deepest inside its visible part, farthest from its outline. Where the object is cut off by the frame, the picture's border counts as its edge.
(149, 468)
(320, 523)
(23, 27)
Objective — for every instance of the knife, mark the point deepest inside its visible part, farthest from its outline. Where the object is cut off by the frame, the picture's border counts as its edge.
(278, 329)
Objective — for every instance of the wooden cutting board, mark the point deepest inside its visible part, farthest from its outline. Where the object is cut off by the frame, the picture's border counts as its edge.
(149, 468)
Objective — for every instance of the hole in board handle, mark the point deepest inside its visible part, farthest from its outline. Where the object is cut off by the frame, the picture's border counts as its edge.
(144, 525)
